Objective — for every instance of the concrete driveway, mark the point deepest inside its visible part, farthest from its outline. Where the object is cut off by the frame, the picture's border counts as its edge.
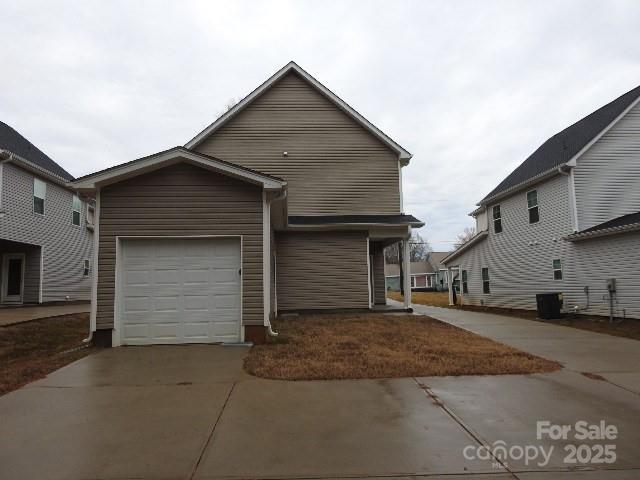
(191, 412)
(615, 359)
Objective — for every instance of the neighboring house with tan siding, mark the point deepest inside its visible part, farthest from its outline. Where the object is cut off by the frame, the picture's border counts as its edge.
(567, 220)
(45, 228)
(284, 203)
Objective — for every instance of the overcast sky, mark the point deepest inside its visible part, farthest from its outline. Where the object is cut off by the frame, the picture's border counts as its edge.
(470, 88)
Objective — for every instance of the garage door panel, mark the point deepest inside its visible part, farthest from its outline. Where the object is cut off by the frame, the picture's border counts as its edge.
(180, 291)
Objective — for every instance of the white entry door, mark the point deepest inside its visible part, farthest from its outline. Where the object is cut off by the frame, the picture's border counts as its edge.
(179, 290)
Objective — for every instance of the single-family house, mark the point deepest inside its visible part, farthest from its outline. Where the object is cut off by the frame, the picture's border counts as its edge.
(427, 275)
(422, 276)
(567, 220)
(45, 227)
(284, 203)
(440, 274)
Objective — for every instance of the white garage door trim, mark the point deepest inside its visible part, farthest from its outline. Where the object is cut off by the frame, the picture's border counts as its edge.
(116, 336)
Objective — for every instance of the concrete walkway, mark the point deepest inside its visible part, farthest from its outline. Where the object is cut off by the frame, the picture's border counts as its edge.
(616, 359)
(11, 315)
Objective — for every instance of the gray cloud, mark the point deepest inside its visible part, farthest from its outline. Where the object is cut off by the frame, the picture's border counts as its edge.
(470, 88)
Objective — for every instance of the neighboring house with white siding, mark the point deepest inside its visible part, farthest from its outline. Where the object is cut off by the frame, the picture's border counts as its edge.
(45, 228)
(567, 220)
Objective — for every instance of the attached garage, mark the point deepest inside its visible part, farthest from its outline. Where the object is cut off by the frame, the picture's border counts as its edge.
(180, 250)
(179, 290)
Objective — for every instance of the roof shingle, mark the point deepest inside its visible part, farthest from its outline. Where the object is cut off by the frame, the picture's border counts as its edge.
(563, 146)
(15, 143)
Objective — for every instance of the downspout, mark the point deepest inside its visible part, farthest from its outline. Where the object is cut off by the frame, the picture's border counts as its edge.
(281, 196)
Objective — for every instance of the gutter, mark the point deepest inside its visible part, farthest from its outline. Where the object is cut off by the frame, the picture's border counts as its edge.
(605, 232)
(558, 169)
(281, 196)
(11, 157)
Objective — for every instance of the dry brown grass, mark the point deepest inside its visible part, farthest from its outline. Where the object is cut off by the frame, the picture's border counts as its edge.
(434, 299)
(31, 350)
(324, 347)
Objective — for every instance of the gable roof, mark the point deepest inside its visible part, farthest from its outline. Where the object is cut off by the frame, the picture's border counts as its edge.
(477, 238)
(565, 145)
(404, 155)
(14, 143)
(625, 223)
(435, 259)
(174, 155)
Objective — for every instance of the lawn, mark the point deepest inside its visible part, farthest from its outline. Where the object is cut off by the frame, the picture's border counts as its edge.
(31, 350)
(325, 347)
(435, 299)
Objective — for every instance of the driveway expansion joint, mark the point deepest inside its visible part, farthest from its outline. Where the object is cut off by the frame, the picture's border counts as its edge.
(213, 429)
(473, 434)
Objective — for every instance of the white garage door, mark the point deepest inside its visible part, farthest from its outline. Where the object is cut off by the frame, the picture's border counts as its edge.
(179, 291)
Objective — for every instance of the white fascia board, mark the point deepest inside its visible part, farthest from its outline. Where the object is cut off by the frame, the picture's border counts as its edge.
(456, 253)
(552, 172)
(574, 160)
(404, 155)
(11, 157)
(153, 162)
(577, 237)
(571, 163)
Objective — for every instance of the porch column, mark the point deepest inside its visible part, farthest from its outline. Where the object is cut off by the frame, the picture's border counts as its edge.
(406, 267)
(450, 285)
(461, 293)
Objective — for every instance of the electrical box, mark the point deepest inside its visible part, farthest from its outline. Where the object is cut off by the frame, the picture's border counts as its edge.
(611, 284)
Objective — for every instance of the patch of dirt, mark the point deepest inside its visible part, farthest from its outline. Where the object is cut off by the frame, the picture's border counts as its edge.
(31, 350)
(325, 347)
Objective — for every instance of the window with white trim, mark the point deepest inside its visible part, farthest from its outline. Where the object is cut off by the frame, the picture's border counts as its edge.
(486, 288)
(39, 195)
(497, 219)
(413, 282)
(532, 206)
(465, 284)
(86, 268)
(76, 209)
(557, 269)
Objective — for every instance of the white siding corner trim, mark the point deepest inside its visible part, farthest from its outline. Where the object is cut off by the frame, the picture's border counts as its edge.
(94, 272)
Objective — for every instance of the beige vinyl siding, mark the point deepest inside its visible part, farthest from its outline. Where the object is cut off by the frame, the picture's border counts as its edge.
(182, 200)
(379, 288)
(64, 246)
(607, 176)
(334, 166)
(322, 270)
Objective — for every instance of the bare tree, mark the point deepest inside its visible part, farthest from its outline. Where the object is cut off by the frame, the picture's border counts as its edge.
(418, 250)
(466, 235)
